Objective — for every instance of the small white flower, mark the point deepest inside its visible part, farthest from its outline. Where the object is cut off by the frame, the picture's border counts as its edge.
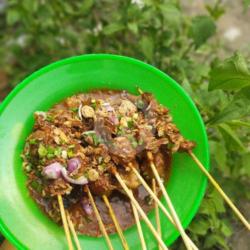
(61, 40)
(97, 29)
(139, 3)
(21, 40)
(232, 34)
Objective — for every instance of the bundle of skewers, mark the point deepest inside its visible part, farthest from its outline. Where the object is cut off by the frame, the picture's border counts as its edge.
(91, 147)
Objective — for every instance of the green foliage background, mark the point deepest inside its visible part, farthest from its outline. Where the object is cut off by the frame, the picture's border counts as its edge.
(34, 33)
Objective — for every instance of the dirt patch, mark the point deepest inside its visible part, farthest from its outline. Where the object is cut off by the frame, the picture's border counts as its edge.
(233, 26)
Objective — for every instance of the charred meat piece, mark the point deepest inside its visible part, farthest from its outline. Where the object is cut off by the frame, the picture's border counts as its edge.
(187, 145)
(122, 150)
(162, 161)
(102, 186)
(56, 187)
(130, 177)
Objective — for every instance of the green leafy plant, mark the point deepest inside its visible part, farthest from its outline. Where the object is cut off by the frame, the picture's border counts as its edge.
(36, 33)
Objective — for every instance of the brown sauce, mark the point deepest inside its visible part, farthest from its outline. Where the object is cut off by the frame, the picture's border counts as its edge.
(87, 223)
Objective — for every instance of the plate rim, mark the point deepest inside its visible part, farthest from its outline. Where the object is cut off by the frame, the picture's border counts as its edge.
(3, 228)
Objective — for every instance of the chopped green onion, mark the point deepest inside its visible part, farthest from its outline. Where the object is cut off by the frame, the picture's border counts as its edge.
(102, 167)
(33, 141)
(93, 105)
(120, 131)
(70, 153)
(42, 151)
(74, 109)
(50, 156)
(130, 124)
(88, 132)
(42, 161)
(58, 152)
(49, 118)
(36, 186)
(140, 142)
(96, 139)
(51, 150)
(38, 172)
(134, 144)
(132, 141)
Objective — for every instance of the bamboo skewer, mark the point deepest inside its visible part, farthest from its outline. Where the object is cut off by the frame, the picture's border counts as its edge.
(138, 224)
(217, 186)
(116, 223)
(219, 189)
(73, 231)
(153, 195)
(156, 199)
(157, 216)
(141, 212)
(64, 220)
(170, 205)
(99, 219)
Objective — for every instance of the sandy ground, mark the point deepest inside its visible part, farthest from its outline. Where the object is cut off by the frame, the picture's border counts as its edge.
(233, 26)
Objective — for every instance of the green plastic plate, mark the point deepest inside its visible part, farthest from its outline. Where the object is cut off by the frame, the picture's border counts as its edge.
(21, 221)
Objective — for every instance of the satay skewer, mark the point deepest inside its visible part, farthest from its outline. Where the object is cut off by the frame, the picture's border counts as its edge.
(73, 231)
(157, 215)
(156, 199)
(139, 209)
(65, 223)
(153, 195)
(116, 223)
(138, 225)
(169, 203)
(219, 189)
(99, 219)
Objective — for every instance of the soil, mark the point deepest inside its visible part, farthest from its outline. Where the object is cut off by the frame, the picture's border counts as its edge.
(233, 26)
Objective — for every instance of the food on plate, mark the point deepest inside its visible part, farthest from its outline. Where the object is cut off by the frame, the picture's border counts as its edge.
(84, 140)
